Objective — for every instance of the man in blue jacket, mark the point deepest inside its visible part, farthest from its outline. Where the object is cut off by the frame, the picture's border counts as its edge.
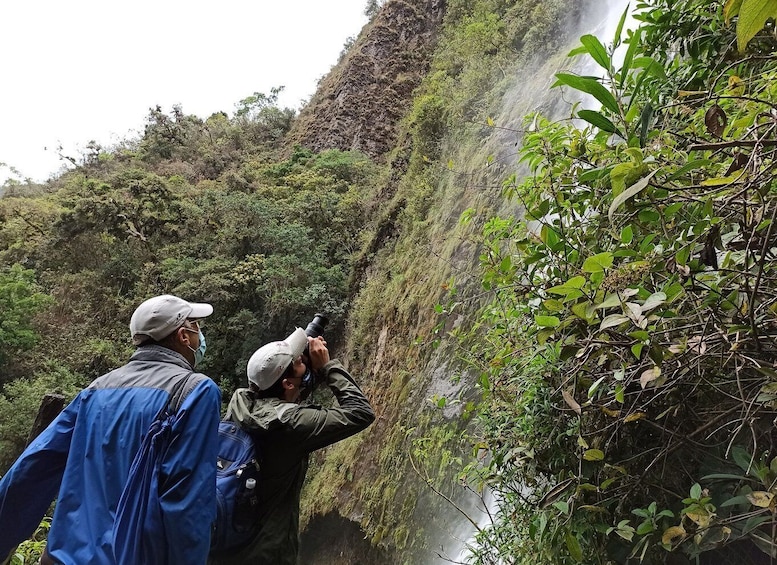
(84, 457)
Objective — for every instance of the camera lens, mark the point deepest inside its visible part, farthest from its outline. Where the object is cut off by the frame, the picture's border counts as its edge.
(316, 326)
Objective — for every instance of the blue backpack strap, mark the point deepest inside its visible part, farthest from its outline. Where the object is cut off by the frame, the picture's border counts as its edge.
(138, 515)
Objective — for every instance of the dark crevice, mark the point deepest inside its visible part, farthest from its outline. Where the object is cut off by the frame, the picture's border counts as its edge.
(333, 540)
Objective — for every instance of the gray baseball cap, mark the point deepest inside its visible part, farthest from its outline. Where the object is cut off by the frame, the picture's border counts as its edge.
(158, 317)
(268, 362)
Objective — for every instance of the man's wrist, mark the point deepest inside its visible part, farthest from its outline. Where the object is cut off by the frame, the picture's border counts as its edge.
(328, 366)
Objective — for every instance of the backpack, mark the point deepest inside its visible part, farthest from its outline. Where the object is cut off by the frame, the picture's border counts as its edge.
(138, 513)
(237, 489)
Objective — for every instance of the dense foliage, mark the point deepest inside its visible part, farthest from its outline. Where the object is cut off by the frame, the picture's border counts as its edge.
(641, 278)
(206, 209)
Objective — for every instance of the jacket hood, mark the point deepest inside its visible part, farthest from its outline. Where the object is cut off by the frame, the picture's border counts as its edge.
(257, 414)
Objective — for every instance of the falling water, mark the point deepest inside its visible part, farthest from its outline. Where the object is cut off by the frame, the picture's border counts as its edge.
(525, 97)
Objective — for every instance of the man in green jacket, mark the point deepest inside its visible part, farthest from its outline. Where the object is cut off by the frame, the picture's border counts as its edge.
(287, 432)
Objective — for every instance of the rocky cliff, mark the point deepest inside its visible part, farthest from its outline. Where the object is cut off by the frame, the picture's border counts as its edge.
(358, 105)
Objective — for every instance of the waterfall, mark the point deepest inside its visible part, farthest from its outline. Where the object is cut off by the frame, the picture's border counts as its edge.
(480, 511)
(523, 98)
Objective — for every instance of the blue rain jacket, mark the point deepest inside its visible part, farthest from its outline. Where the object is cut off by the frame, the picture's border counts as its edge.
(83, 459)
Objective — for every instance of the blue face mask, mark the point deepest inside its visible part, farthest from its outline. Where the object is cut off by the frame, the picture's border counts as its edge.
(199, 353)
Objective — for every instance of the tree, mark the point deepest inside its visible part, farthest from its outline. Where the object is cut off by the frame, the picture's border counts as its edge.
(20, 300)
(372, 8)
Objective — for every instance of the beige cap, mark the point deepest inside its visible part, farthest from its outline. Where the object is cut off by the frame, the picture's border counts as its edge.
(269, 361)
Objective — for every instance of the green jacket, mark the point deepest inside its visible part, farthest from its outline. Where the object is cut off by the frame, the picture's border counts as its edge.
(286, 434)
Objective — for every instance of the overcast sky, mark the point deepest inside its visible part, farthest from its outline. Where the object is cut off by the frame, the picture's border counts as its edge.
(78, 70)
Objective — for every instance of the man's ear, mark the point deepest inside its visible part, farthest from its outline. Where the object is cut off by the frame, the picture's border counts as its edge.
(182, 336)
(287, 384)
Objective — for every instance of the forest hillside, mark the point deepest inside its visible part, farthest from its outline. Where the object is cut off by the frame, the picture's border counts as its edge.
(545, 235)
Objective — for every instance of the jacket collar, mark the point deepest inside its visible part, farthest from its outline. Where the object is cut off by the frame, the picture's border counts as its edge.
(160, 353)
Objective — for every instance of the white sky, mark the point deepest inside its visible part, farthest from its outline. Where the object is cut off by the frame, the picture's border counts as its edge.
(76, 70)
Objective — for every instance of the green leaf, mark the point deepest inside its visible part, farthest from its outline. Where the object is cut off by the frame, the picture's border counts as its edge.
(590, 86)
(752, 18)
(593, 455)
(734, 501)
(598, 263)
(613, 320)
(595, 174)
(722, 181)
(561, 290)
(596, 50)
(610, 301)
(579, 50)
(731, 9)
(690, 166)
(549, 236)
(547, 321)
(594, 387)
(754, 521)
(540, 211)
(584, 311)
(553, 305)
(598, 120)
(573, 295)
(631, 191)
(575, 551)
(629, 57)
(627, 235)
(742, 458)
(616, 40)
(672, 209)
(644, 120)
(648, 215)
(655, 299)
(681, 257)
(570, 289)
(645, 528)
